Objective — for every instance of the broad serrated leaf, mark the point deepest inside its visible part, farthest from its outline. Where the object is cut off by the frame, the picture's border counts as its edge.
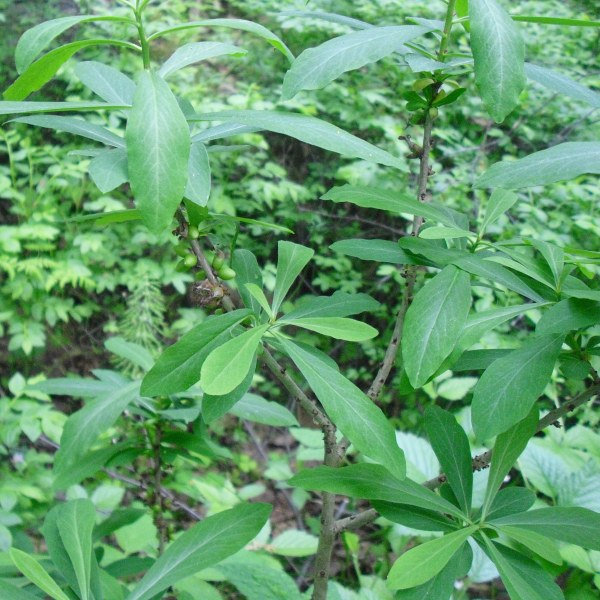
(178, 367)
(420, 564)
(307, 129)
(205, 544)
(108, 169)
(372, 482)
(499, 53)
(75, 126)
(355, 415)
(291, 259)
(158, 149)
(510, 386)
(451, 446)
(559, 163)
(316, 67)
(194, 52)
(433, 323)
(106, 81)
(228, 364)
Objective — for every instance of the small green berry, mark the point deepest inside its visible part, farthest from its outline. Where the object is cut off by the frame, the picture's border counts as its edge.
(226, 273)
(190, 260)
(217, 262)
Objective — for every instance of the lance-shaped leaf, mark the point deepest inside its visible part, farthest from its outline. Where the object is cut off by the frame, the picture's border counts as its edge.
(240, 24)
(205, 544)
(339, 304)
(135, 353)
(178, 367)
(43, 69)
(255, 408)
(559, 163)
(228, 365)
(539, 544)
(105, 81)
(420, 564)
(291, 259)
(199, 179)
(244, 263)
(569, 315)
(339, 328)
(356, 416)
(15, 108)
(158, 149)
(523, 578)
(372, 482)
(35, 40)
(194, 52)
(508, 447)
(451, 446)
(17, 593)
(510, 386)
(34, 571)
(83, 427)
(574, 525)
(434, 322)
(554, 257)
(510, 500)
(307, 129)
(414, 516)
(77, 387)
(75, 126)
(224, 130)
(108, 170)
(316, 67)
(395, 202)
(377, 250)
(557, 82)
(499, 53)
(500, 201)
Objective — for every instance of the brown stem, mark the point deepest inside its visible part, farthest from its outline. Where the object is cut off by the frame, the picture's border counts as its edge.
(481, 461)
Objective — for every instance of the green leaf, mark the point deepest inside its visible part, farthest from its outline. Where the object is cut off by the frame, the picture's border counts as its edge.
(556, 21)
(339, 304)
(241, 24)
(75, 521)
(496, 273)
(433, 323)
(158, 149)
(395, 202)
(444, 233)
(205, 544)
(83, 427)
(263, 224)
(130, 351)
(14, 108)
(477, 360)
(294, 542)
(258, 295)
(327, 16)
(451, 446)
(539, 544)
(17, 593)
(573, 525)
(199, 178)
(227, 365)
(420, 564)
(372, 482)
(178, 367)
(117, 519)
(377, 250)
(106, 218)
(316, 67)
(559, 163)
(291, 259)
(307, 129)
(71, 386)
(569, 315)
(557, 82)
(224, 130)
(508, 447)
(108, 170)
(35, 40)
(75, 126)
(432, 251)
(194, 52)
(510, 386)
(339, 328)
(523, 579)
(554, 256)
(32, 569)
(413, 516)
(510, 500)
(500, 201)
(244, 263)
(43, 69)
(105, 81)
(499, 53)
(355, 415)
(255, 408)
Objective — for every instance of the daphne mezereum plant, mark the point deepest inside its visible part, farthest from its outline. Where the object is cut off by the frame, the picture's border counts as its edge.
(164, 156)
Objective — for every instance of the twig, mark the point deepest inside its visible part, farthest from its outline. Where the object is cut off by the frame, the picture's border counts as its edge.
(481, 461)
